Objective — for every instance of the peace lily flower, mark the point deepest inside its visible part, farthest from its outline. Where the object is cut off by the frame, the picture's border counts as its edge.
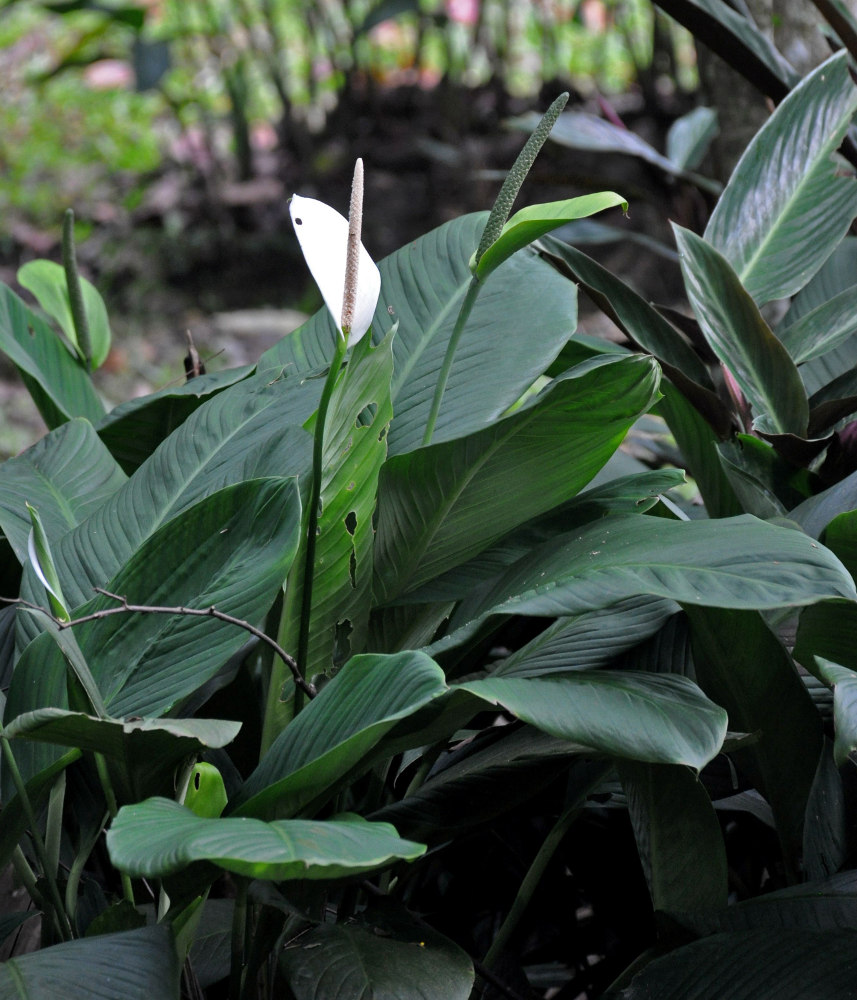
(350, 284)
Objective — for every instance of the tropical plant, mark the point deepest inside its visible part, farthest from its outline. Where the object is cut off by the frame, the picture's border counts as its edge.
(301, 638)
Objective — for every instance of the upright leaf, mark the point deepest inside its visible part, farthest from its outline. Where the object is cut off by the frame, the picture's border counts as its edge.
(786, 207)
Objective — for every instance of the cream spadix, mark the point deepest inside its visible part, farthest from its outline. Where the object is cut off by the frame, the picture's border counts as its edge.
(323, 235)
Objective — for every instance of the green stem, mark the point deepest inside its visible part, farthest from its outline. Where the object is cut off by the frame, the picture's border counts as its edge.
(312, 514)
(75, 293)
(60, 918)
(473, 290)
(112, 809)
(538, 866)
(77, 866)
(53, 825)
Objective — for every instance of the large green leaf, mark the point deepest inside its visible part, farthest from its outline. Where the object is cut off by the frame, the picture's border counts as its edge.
(678, 836)
(740, 337)
(144, 750)
(502, 350)
(439, 505)
(158, 837)
(786, 206)
(782, 964)
(735, 562)
(379, 958)
(47, 282)
(249, 431)
(231, 551)
(134, 965)
(741, 664)
(657, 718)
(59, 385)
(822, 329)
(135, 428)
(354, 449)
(337, 729)
(65, 476)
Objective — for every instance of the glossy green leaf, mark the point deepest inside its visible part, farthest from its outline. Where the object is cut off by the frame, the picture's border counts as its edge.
(438, 506)
(378, 960)
(47, 282)
(740, 337)
(422, 286)
(787, 206)
(527, 225)
(840, 536)
(742, 665)
(135, 428)
(158, 837)
(337, 730)
(58, 384)
(656, 718)
(678, 836)
(65, 476)
(736, 562)
(829, 630)
(133, 965)
(747, 965)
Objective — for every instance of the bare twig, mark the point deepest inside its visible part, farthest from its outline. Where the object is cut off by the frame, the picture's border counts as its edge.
(210, 612)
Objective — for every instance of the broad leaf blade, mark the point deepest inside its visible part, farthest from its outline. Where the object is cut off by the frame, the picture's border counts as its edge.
(133, 965)
(740, 337)
(58, 384)
(438, 506)
(785, 207)
(657, 718)
(159, 837)
(65, 476)
(422, 286)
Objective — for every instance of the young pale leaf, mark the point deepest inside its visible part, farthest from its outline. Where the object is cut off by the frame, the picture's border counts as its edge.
(39, 554)
(47, 281)
(529, 224)
(323, 235)
(787, 205)
(158, 837)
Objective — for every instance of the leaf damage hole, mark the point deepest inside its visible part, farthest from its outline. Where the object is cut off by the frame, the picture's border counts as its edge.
(367, 415)
(351, 522)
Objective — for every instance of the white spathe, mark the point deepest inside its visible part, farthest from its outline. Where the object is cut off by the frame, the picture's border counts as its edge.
(323, 235)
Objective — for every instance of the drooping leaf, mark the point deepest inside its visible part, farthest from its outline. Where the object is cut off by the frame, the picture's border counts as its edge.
(528, 224)
(657, 718)
(337, 729)
(421, 288)
(678, 836)
(158, 837)
(65, 476)
(844, 684)
(740, 337)
(786, 207)
(60, 387)
(133, 965)
(376, 958)
(736, 562)
(438, 506)
(690, 136)
(47, 282)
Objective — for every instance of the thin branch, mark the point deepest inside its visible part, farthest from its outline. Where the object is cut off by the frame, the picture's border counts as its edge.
(210, 612)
